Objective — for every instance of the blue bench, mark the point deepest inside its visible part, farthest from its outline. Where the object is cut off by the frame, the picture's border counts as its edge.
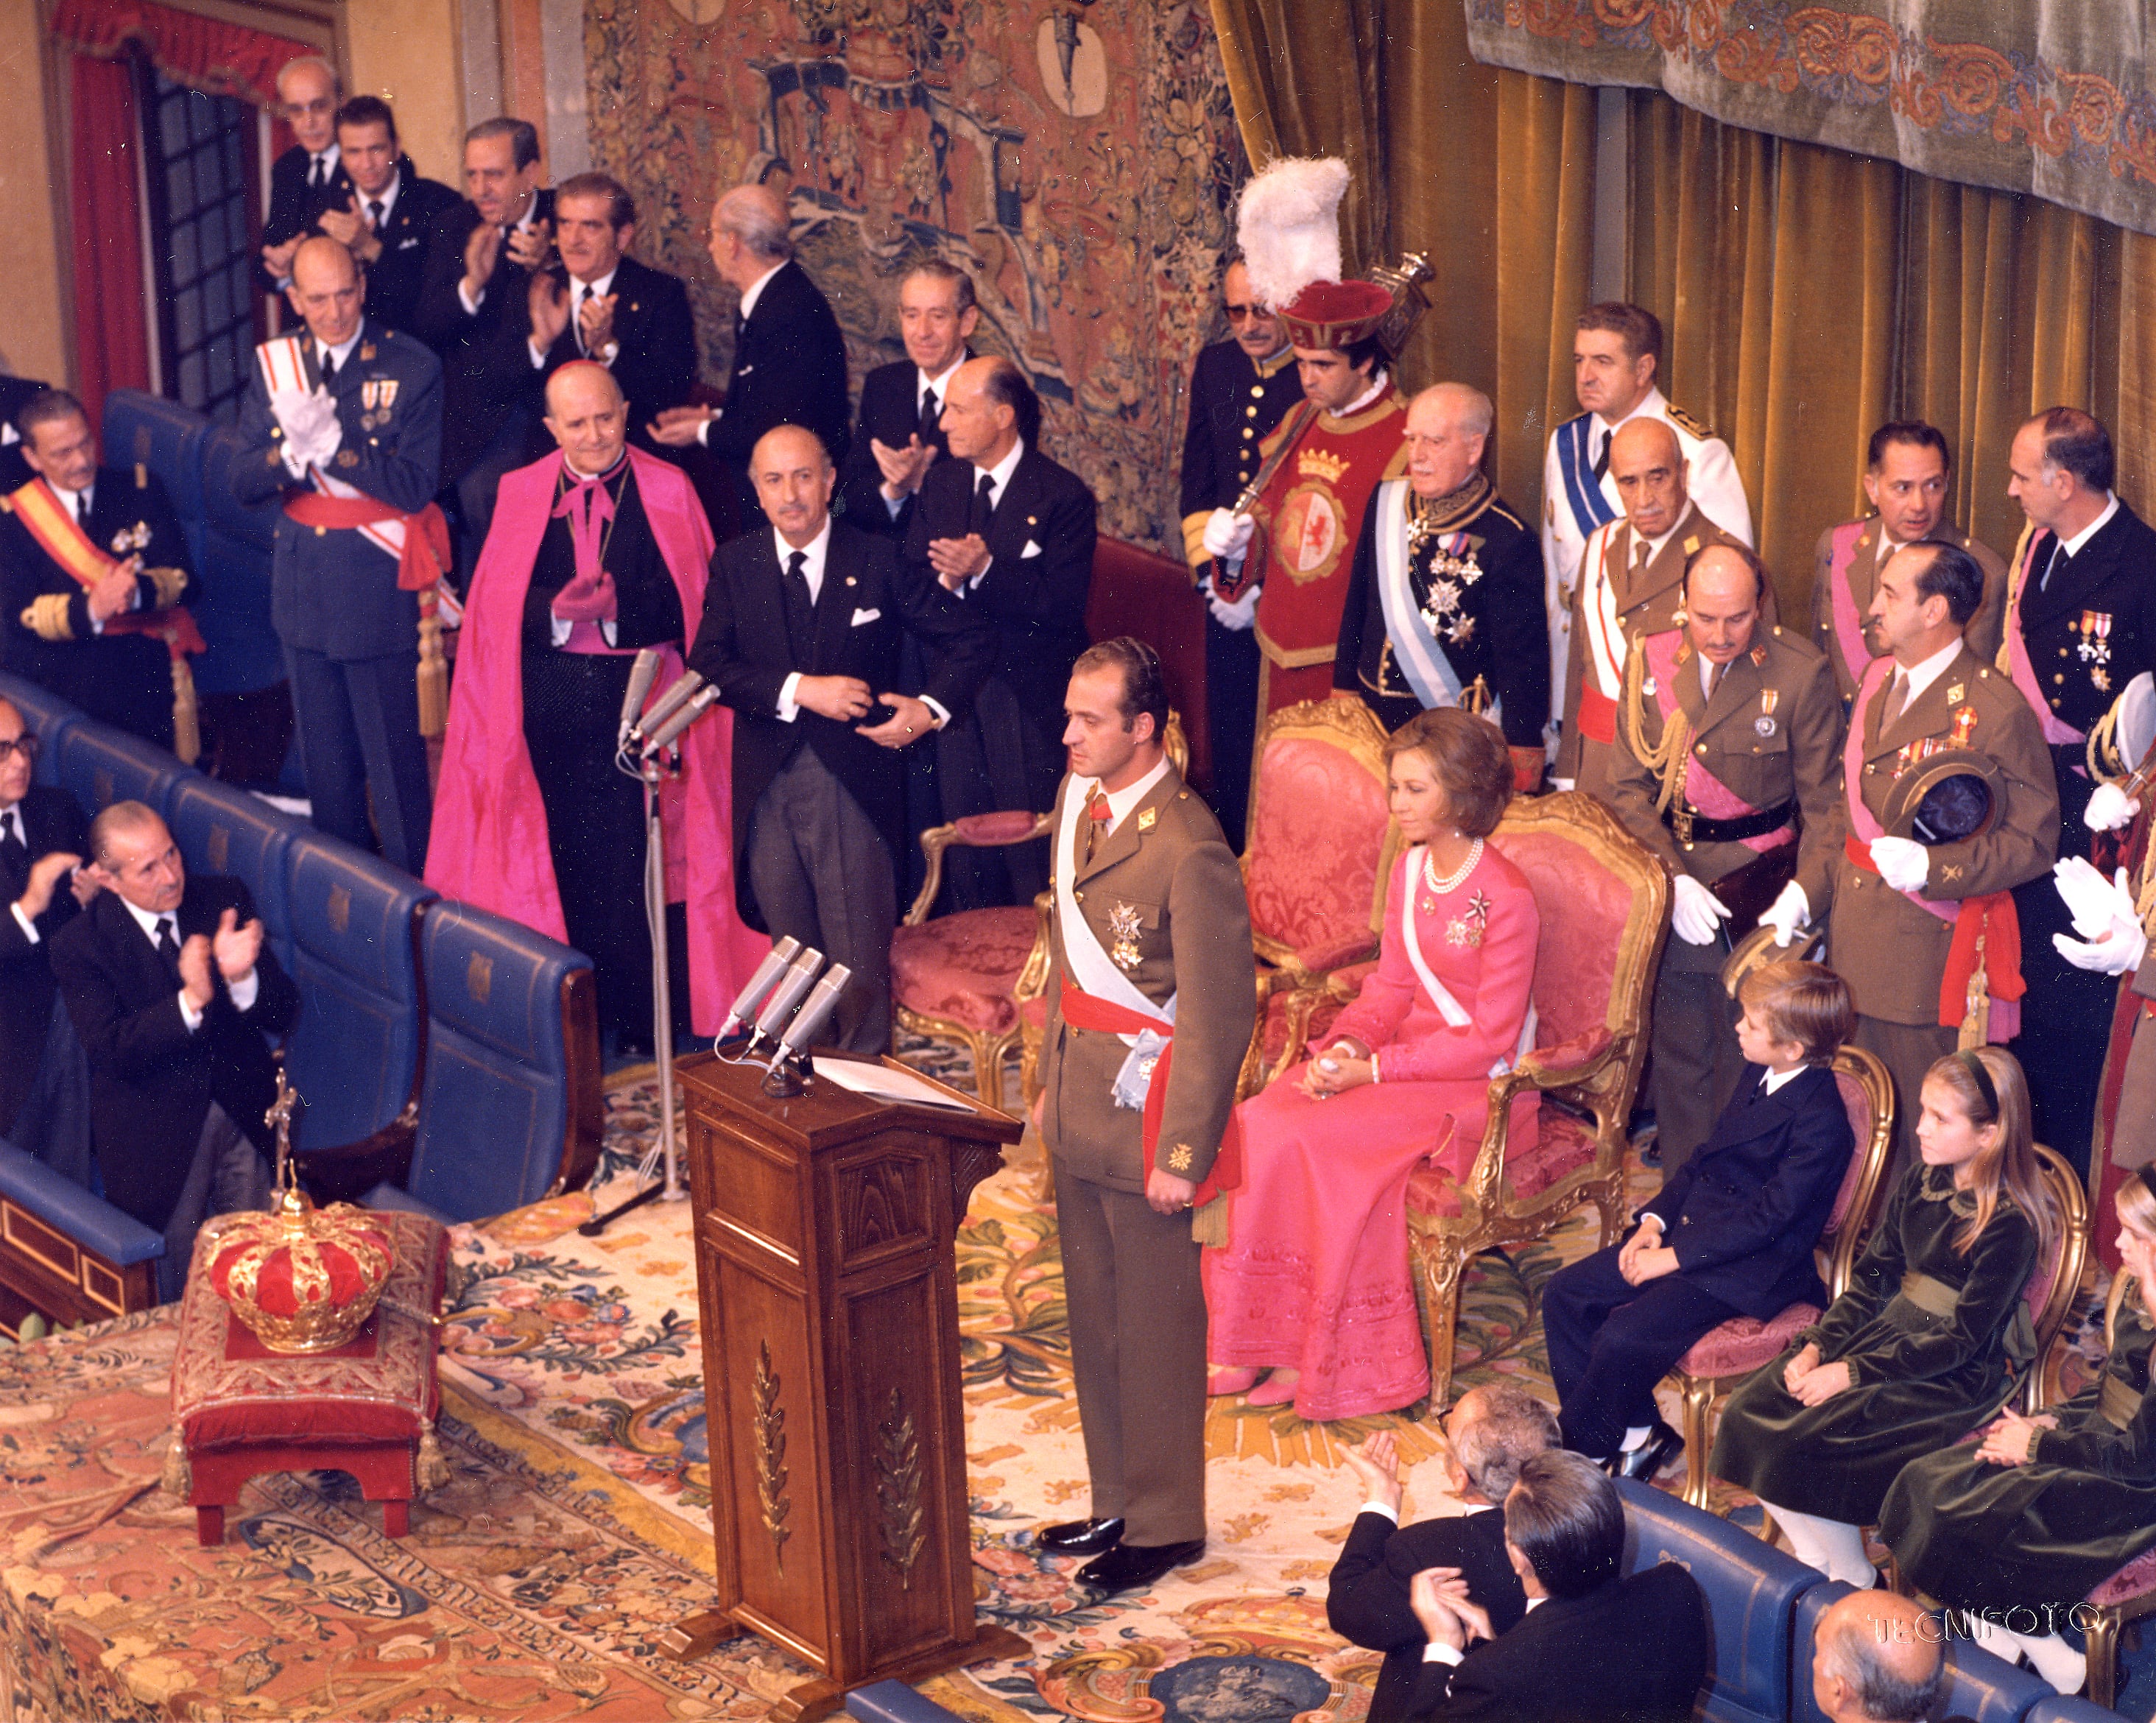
(101, 766)
(1981, 1687)
(221, 830)
(69, 1255)
(47, 713)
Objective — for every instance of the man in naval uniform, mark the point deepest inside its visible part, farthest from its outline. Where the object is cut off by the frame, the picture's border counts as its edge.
(1444, 601)
(1616, 355)
(1240, 389)
(1909, 475)
(1152, 985)
(1631, 582)
(1727, 764)
(2081, 624)
(1894, 902)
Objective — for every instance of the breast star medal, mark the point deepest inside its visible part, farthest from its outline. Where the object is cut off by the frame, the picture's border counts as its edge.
(1450, 574)
(1467, 928)
(1123, 930)
(130, 539)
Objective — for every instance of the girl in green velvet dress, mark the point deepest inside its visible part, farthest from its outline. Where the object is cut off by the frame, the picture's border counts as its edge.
(2025, 1525)
(1925, 1344)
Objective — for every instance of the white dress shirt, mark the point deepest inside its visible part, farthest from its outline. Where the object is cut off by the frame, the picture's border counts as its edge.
(579, 291)
(813, 554)
(1000, 476)
(242, 991)
(12, 826)
(923, 383)
(2066, 549)
(1923, 675)
(747, 310)
(1122, 801)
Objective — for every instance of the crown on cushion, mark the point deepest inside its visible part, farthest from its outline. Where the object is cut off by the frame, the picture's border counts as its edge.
(303, 1279)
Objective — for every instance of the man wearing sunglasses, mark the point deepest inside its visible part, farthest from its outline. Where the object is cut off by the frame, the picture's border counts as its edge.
(1240, 389)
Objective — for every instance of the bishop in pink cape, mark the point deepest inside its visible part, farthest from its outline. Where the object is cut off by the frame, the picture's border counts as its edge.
(489, 835)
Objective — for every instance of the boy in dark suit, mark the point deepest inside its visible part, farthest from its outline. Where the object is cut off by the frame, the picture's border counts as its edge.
(1730, 1234)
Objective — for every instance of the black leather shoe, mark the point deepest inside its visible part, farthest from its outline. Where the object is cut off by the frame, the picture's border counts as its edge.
(1642, 1463)
(1136, 1568)
(1079, 1537)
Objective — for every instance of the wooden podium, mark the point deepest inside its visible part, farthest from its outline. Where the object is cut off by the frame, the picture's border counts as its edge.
(829, 1305)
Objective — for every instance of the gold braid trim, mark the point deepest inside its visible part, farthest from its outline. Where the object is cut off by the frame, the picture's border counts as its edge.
(170, 583)
(47, 617)
(1669, 756)
(2003, 662)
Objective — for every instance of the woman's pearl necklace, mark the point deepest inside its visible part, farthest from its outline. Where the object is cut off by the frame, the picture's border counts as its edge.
(1451, 880)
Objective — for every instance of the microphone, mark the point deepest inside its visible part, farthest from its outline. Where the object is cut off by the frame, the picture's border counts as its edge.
(678, 694)
(787, 994)
(641, 676)
(812, 1016)
(759, 985)
(669, 732)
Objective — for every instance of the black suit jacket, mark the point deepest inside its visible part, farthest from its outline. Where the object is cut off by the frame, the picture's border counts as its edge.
(868, 601)
(1744, 1211)
(656, 366)
(1036, 603)
(51, 820)
(1368, 1601)
(16, 392)
(294, 204)
(789, 369)
(890, 414)
(2114, 578)
(487, 372)
(1633, 1651)
(394, 279)
(151, 1081)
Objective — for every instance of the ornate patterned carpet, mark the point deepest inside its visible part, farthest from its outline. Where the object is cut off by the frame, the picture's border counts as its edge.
(575, 1529)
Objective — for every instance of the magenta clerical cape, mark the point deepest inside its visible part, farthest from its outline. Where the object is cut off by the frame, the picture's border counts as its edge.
(490, 833)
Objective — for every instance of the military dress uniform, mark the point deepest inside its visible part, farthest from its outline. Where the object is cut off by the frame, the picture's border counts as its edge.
(1846, 575)
(1618, 596)
(1892, 951)
(1579, 496)
(2079, 629)
(1445, 609)
(1236, 402)
(1160, 904)
(1739, 789)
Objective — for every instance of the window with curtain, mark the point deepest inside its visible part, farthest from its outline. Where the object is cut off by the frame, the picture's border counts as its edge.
(199, 162)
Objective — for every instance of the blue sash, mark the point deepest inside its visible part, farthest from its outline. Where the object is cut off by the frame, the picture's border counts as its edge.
(1583, 491)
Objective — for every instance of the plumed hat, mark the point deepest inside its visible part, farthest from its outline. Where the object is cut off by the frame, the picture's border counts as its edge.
(1288, 223)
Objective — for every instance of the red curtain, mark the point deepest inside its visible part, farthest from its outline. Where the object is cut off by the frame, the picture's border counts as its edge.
(112, 336)
(224, 60)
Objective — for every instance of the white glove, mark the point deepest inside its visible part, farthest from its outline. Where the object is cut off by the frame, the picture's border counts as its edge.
(1242, 614)
(1788, 912)
(1698, 913)
(308, 420)
(2108, 809)
(1562, 783)
(2096, 904)
(1228, 533)
(2121, 949)
(1902, 863)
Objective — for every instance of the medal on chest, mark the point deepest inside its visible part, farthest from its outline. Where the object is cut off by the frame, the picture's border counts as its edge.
(1450, 569)
(130, 539)
(1763, 725)
(1123, 931)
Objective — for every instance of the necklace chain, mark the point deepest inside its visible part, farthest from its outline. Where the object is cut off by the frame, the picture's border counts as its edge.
(1451, 881)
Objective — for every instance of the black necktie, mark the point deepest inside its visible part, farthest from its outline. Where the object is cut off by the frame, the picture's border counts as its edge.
(984, 504)
(82, 509)
(329, 368)
(2061, 555)
(1602, 454)
(168, 943)
(318, 172)
(14, 852)
(374, 213)
(930, 414)
(800, 609)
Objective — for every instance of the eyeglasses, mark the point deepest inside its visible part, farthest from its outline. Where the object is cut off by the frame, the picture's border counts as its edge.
(26, 745)
(1245, 314)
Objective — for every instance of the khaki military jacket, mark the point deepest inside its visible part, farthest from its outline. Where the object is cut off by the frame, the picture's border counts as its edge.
(1983, 632)
(1891, 952)
(1163, 890)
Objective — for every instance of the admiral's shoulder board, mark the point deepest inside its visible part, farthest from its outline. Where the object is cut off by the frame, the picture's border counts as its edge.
(1685, 422)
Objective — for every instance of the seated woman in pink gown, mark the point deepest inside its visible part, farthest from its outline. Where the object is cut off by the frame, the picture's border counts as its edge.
(1314, 1280)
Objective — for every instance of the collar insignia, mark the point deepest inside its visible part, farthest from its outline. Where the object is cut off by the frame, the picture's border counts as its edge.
(1149, 817)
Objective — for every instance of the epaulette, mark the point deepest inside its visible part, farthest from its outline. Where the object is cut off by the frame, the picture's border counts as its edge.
(1499, 510)
(1685, 422)
(141, 476)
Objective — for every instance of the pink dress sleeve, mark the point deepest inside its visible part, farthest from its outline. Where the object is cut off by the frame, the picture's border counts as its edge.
(1389, 990)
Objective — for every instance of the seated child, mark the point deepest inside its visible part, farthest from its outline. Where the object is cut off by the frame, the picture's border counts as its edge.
(1731, 1234)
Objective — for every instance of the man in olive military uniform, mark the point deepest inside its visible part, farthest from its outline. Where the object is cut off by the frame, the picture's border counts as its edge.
(1152, 983)
(1893, 901)
(2081, 624)
(1727, 764)
(1909, 475)
(1445, 600)
(1240, 389)
(1631, 581)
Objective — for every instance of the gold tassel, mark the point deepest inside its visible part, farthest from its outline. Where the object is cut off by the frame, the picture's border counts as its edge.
(187, 712)
(1669, 756)
(177, 1476)
(431, 1471)
(433, 672)
(1209, 1225)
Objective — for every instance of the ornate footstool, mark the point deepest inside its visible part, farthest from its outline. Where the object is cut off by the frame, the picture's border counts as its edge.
(367, 1407)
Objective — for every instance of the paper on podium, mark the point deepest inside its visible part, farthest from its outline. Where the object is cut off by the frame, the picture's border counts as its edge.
(883, 1083)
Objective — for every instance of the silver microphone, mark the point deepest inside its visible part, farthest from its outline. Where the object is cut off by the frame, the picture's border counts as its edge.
(679, 693)
(667, 734)
(788, 993)
(759, 985)
(812, 1016)
(641, 676)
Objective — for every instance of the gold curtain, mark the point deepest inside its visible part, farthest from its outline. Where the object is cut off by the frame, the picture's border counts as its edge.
(1807, 295)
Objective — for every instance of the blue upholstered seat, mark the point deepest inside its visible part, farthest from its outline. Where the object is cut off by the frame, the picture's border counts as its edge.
(1981, 1688)
(234, 558)
(354, 1054)
(221, 830)
(101, 766)
(165, 437)
(1751, 1590)
(62, 1203)
(2055, 1710)
(45, 712)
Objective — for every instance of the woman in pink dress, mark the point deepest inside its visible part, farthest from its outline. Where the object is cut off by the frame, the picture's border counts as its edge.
(1314, 1281)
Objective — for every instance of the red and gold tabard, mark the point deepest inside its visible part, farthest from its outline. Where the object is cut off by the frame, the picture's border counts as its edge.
(1307, 521)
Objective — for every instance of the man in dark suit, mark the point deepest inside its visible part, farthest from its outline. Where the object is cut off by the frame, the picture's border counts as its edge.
(93, 565)
(1592, 1648)
(353, 430)
(15, 394)
(42, 846)
(789, 357)
(386, 220)
(625, 316)
(2080, 623)
(308, 178)
(1490, 1433)
(172, 988)
(899, 431)
(803, 654)
(476, 312)
(1011, 533)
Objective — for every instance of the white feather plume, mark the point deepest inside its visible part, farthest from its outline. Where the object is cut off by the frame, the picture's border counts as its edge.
(1288, 223)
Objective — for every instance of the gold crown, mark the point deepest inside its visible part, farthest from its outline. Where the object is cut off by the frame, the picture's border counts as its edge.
(303, 1279)
(1320, 463)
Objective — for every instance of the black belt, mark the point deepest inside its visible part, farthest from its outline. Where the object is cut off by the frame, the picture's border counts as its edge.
(1692, 828)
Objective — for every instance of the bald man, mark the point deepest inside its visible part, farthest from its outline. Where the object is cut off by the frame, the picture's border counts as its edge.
(789, 357)
(343, 423)
(1631, 582)
(1876, 1658)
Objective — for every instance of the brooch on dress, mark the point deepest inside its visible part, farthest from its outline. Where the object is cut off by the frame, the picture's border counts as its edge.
(1467, 929)
(1123, 929)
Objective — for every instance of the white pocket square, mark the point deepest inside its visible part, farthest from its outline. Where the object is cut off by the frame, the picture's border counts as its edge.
(1032, 549)
(863, 617)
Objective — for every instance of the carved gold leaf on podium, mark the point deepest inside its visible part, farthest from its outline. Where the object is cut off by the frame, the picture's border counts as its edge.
(771, 1472)
(898, 1490)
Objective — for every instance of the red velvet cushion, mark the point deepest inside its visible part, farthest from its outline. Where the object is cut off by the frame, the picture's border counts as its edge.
(1742, 1344)
(963, 967)
(1312, 862)
(2136, 1579)
(1561, 1146)
(229, 1390)
(986, 830)
(1583, 908)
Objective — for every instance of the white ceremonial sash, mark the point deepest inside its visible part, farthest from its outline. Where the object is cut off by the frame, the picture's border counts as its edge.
(1605, 635)
(1448, 1008)
(1415, 648)
(284, 363)
(1092, 969)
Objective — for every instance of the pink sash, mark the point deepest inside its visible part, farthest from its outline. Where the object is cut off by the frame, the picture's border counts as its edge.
(1703, 790)
(2057, 734)
(1848, 625)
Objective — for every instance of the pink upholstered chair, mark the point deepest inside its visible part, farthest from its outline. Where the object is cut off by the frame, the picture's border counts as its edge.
(2130, 1593)
(2056, 1282)
(1605, 906)
(1742, 1345)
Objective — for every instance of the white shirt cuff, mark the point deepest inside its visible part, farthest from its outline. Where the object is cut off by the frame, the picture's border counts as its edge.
(704, 430)
(892, 504)
(188, 1015)
(29, 927)
(466, 299)
(936, 707)
(974, 581)
(789, 704)
(538, 358)
(557, 630)
(1390, 1512)
(1438, 1652)
(242, 993)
